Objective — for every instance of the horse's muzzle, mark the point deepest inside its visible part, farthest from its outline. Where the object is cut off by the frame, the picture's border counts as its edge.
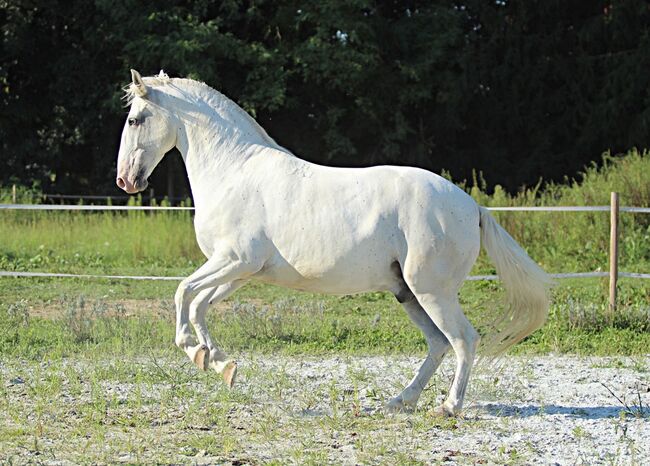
(139, 184)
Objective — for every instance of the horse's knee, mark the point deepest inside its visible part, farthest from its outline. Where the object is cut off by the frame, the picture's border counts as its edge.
(182, 293)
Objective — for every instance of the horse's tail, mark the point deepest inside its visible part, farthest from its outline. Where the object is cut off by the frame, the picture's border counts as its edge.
(526, 285)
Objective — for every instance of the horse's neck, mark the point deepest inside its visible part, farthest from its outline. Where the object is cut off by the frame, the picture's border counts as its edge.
(214, 157)
(217, 140)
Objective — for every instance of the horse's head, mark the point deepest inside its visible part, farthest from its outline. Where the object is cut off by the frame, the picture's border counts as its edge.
(149, 132)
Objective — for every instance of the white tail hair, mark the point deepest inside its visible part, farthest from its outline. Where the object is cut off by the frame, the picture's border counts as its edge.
(527, 289)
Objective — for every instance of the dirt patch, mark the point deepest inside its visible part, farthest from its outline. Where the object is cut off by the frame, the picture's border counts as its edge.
(116, 307)
(106, 307)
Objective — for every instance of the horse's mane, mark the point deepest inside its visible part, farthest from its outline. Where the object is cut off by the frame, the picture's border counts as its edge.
(201, 91)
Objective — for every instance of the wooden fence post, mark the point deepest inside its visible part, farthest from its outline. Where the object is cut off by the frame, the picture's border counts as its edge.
(613, 250)
(13, 193)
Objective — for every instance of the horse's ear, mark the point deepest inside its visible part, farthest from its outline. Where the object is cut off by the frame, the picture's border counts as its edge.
(138, 83)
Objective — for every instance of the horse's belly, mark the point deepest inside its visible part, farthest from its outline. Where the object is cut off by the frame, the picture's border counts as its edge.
(328, 284)
(346, 276)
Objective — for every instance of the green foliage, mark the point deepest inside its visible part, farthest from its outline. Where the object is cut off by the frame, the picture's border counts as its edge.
(579, 241)
(519, 90)
(20, 194)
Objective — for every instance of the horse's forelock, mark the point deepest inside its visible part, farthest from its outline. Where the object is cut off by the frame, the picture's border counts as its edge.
(129, 94)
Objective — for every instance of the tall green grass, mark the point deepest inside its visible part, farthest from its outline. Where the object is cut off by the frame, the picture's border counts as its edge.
(103, 241)
(164, 242)
(579, 241)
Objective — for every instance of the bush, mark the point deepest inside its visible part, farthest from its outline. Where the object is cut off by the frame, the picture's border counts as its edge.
(579, 241)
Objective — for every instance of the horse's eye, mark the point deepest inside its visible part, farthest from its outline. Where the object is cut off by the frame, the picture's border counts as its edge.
(133, 122)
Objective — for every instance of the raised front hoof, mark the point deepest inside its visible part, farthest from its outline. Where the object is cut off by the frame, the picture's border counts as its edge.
(201, 357)
(397, 405)
(443, 411)
(227, 369)
(230, 373)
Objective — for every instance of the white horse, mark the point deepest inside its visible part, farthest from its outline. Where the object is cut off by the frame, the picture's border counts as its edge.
(264, 214)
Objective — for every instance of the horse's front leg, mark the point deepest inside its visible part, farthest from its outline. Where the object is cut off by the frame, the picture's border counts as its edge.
(207, 281)
(207, 353)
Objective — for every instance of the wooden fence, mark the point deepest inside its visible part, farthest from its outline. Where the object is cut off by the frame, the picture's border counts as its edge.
(614, 211)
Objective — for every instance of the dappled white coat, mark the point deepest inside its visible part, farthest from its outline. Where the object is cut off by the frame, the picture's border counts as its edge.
(265, 214)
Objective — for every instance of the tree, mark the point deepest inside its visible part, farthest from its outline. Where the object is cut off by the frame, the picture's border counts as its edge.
(519, 90)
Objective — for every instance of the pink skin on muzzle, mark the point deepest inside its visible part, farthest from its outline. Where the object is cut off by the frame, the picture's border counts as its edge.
(138, 184)
(126, 185)
(126, 180)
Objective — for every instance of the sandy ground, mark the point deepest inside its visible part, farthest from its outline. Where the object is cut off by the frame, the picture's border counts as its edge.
(328, 410)
(541, 410)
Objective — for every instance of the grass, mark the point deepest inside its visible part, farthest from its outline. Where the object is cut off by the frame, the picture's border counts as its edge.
(93, 314)
(87, 412)
(89, 371)
(266, 319)
(158, 243)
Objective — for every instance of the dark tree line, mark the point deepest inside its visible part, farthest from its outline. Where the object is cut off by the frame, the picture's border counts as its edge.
(517, 89)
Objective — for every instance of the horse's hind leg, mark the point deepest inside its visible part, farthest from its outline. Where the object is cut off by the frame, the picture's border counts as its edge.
(438, 346)
(444, 310)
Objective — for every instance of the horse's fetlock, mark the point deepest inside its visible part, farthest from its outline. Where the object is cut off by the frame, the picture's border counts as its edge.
(183, 341)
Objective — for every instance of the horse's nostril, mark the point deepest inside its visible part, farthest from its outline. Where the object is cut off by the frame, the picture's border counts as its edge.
(120, 182)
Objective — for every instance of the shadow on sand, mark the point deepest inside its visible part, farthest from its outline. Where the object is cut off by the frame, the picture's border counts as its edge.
(582, 412)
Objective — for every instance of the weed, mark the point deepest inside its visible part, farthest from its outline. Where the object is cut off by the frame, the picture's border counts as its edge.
(18, 313)
(596, 317)
(579, 432)
(633, 408)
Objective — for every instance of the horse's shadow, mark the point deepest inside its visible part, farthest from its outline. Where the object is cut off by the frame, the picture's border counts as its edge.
(579, 412)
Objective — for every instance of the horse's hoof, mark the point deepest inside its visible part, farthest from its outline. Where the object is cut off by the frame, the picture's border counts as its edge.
(201, 357)
(442, 411)
(230, 373)
(397, 405)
